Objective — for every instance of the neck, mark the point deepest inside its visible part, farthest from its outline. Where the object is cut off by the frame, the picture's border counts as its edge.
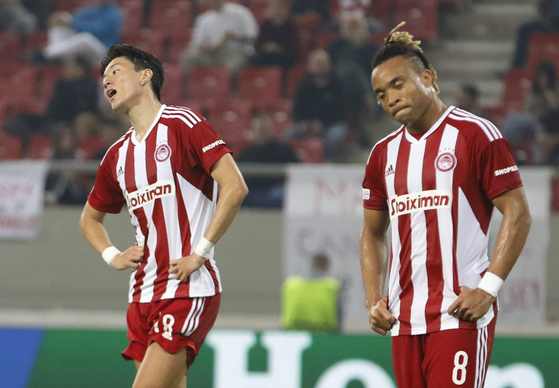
(142, 115)
(431, 115)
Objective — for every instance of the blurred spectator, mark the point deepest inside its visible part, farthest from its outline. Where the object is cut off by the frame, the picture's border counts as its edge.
(89, 32)
(74, 93)
(319, 106)
(347, 8)
(222, 36)
(352, 56)
(311, 303)
(467, 98)
(66, 187)
(277, 41)
(42, 9)
(547, 21)
(112, 129)
(548, 137)
(311, 14)
(525, 126)
(15, 17)
(265, 192)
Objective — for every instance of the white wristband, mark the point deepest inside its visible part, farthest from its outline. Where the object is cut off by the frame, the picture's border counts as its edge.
(110, 253)
(491, 283)
(204, 248)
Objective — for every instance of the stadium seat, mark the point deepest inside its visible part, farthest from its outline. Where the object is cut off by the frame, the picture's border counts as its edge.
(420, 18)
(170, 16)
(517, 85)
(175, 44)
(309, 149)
(209, 83)
(18, 83)
(543, 47)
(172, 90)
(10, 147)
(295, 75)
(231, 119)
(9, 47)
(260, 84)
(40, 147)
(280, 112)
(382, 10)
(133, 12)
(36, 41)
(305, 43)
(147, 40)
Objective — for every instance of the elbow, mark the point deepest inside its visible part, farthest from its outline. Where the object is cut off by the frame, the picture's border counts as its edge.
(242, 191)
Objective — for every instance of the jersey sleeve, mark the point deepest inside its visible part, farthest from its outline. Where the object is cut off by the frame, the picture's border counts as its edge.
(498, 169)
(106, 195)
(374, 188)
(205, 146)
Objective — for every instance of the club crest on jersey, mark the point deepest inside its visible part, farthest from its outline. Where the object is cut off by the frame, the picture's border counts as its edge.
(446, 161)
(162, 152)
(142, 197)
(420, 201)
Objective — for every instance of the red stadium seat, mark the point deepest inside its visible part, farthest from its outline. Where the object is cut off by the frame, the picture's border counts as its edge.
(18, 82)
(133, 12)
(518, 83)
(231, 119)
(147, 40)
(280, 112)
(175, 44)
(209, 83)
(543, 47)
(382, 10)
(420, 18)
(10, 147)
(172, 90)
(260, 84)
(170, 16)
(90, 146)
(36, 41)
(309, 149)
(40, 147)
(9, 46)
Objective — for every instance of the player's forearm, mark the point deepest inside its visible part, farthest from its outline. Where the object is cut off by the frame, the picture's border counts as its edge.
(93, 230)
(510, 240)
(230, 199)
(374, 261)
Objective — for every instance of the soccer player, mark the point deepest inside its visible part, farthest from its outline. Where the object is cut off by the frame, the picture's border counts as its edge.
(436, 180)
(165, 169)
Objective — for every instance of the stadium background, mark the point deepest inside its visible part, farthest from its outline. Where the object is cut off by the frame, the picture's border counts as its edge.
(62, 311)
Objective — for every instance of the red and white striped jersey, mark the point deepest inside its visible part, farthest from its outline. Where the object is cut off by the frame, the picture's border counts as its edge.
(438, 191)
(165, 182)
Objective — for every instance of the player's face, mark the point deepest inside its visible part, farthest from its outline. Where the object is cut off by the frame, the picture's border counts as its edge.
(403, 92)
(122, 84)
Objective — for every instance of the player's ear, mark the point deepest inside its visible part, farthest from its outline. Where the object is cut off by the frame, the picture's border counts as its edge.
(427, 78)
(145, 76)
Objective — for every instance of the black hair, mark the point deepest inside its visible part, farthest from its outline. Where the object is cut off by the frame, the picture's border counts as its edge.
(141, 60)
(401, 43)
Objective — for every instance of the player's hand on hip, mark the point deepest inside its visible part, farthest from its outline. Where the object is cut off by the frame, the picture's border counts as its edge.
(130, 258)
(380, 318)
(184, 267)
(471, 305)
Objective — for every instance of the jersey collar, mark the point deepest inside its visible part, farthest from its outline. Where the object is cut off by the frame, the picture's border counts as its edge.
(412, 139)
(155, 121)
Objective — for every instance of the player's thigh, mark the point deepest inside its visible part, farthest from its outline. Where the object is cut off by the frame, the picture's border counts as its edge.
(161, 369)
(457, 358)
(407, 361)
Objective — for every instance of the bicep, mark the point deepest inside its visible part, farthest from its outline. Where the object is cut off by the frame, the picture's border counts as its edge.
(375, 223)
(512, 201)
(226, 172)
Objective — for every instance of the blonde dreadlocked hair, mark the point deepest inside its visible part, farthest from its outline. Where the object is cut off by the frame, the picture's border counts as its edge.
(401, 43)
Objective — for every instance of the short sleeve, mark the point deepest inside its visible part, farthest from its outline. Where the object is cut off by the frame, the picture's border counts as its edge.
(106, 195)
(374, 188)
(205, 146)
(498, 169)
